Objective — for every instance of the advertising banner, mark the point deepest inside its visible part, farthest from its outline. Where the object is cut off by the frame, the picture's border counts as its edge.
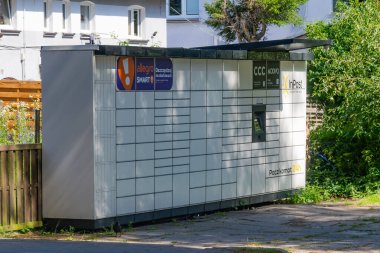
(164, 74)
(273, 74)
(144, 73)
(266, 75)
(259, 75)
(134, 74)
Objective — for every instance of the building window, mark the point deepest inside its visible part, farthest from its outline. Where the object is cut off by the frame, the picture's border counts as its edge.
(183, 8)
(258, 123)
(135, 21)
(45, 15)
(64, 16)
(48, 22)
(87, 13)
(66, 13)
(192, 7)
(5, 12)
(175, 7)
(85, 17)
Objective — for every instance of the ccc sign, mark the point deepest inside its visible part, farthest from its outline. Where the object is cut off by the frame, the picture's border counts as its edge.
(259, 70)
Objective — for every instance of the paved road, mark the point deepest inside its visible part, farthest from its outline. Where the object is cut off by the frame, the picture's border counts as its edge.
(49, 246)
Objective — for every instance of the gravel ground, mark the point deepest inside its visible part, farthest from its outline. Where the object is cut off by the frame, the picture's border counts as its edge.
(295, 228)
(329, 228)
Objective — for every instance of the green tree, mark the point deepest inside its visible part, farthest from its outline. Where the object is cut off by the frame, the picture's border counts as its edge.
(248, 20)
(345, 82)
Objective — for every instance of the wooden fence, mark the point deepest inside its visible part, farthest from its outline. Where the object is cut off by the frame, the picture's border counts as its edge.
(29, 92)
(20, 91)
(20, 186)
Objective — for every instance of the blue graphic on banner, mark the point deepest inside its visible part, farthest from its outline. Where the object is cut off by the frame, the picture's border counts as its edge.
(164, 74)
(144, 73)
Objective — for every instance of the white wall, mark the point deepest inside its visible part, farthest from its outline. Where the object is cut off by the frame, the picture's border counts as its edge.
(196, 33)
(20, 54)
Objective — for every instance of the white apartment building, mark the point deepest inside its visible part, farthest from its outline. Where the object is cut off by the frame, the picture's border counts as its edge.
(26, 25)
(186, 27)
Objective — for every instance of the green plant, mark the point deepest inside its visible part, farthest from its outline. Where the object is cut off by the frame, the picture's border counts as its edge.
(108, 231)
(121, 42)
(4, 119)
(15, 125)
(310, 194)
(68, 230)
(2, 232)
(243, 202)
(130, 227)
(25, 230)
(345, 82)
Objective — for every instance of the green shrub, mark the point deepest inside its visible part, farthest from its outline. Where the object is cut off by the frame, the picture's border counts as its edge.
(345, 82)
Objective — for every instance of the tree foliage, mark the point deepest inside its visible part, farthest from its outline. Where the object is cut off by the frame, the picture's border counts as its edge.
(248, 20)
(345, 82)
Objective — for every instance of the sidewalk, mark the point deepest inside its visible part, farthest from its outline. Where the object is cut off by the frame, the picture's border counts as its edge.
(295, 228)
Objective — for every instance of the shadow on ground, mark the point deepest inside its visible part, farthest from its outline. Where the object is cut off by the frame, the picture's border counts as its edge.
(296, 228)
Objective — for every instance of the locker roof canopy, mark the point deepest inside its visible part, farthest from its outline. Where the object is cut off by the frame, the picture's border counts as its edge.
(273, 45)
(263, 50)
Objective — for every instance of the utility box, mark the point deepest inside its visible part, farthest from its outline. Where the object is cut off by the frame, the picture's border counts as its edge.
(138, 134)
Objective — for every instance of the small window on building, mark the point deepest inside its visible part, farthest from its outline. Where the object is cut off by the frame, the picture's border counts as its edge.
(175, 7)
(66, 14)
(258, 123)
(183, 8)
(192, 7)
(48, 24)
(5, 12)
(135, 21)
(85, 17)
(45, 15)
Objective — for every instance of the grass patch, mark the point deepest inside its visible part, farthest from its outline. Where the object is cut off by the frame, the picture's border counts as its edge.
(373, 199)
(357, 225)
(309, 195)
(313, 194)
(258, 250)
(371, 220)
(67, 234)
